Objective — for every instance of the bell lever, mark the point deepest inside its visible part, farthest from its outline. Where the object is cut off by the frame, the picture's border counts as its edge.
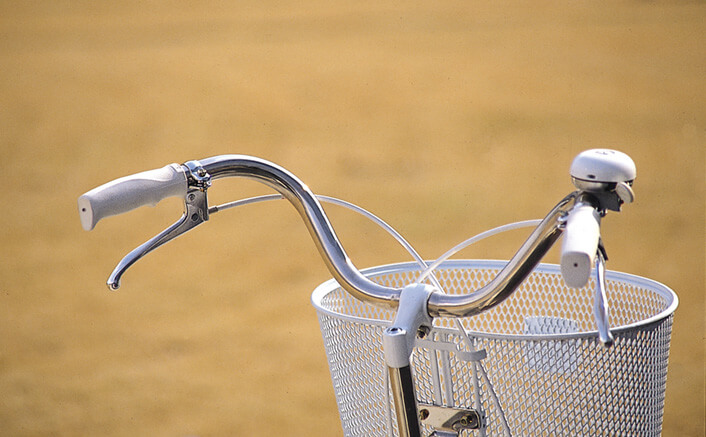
(195, 213)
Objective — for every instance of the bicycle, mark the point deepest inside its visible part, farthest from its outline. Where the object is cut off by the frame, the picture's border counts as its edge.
(427, 348)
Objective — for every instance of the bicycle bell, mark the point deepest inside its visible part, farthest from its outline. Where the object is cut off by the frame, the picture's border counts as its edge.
(606, 174)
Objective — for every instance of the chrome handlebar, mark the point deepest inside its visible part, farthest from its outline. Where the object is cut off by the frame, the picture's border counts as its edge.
(200, 174)
(309, 208)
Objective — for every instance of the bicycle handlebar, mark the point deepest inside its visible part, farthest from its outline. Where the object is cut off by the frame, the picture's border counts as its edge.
(149, 187)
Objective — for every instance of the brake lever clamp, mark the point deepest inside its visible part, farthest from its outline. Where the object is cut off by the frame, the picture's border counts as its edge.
(195, 213)
(197, 176)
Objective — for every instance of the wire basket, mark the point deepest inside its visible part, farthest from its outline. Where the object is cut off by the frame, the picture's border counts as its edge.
(532, 366)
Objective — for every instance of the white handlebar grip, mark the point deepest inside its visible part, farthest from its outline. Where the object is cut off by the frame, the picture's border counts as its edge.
(127, 193)
(580, 245)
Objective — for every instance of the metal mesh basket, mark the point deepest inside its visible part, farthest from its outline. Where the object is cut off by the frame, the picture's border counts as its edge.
(532, 366)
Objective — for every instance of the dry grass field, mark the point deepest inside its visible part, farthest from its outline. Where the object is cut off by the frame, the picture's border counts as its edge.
(443, 118)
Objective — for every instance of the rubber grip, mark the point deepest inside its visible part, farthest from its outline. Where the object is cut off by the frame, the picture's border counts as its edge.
(578, 250)
(130, 192)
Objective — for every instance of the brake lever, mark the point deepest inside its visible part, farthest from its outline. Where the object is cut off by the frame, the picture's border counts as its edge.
(600, 305)
(195, 212)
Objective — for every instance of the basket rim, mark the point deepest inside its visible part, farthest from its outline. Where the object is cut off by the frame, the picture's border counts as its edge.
(670, 297)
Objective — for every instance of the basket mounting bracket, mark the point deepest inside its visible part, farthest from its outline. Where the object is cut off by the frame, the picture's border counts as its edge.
(448, 422)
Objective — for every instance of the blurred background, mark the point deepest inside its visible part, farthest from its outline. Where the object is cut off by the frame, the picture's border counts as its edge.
(443, 118)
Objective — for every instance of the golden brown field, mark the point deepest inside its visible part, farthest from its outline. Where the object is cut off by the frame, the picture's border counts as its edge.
(443, 118)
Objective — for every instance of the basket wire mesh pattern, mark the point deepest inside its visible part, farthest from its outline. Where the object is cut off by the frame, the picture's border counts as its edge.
(532, 366)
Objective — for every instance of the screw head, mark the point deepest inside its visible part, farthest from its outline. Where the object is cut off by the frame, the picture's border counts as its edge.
(423, 331)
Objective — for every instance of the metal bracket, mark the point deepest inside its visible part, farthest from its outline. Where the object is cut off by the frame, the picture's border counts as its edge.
(197, 175)
(448, 421)
(462, 355)
(411, 318)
